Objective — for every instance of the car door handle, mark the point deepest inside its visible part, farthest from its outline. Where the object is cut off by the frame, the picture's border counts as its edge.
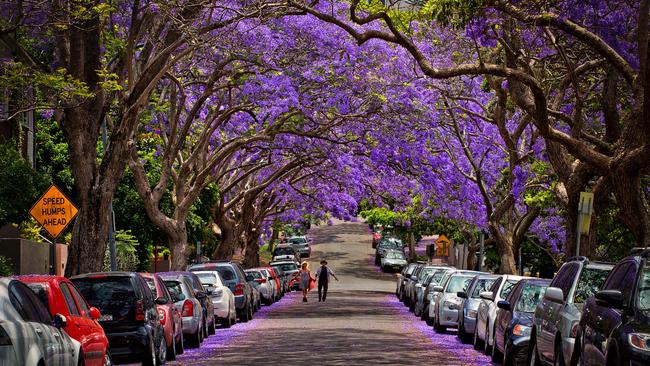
(39, 331)
(56, 335)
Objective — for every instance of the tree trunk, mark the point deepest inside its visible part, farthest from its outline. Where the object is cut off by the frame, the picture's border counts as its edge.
(411, 242)
(177, 239)
(89, 236)
(275, 234)
(505, 250)
(226, 248)
(251, 252)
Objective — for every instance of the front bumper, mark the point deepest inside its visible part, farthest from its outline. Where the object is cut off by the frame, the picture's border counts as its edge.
(448, 317)
(469, 324)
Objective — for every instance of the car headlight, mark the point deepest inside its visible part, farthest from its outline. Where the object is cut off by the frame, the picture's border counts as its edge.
(472, 313)
(452, 305)
(640, 341)
(521, 330)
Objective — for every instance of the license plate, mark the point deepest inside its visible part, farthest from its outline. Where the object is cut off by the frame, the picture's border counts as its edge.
(105, 317)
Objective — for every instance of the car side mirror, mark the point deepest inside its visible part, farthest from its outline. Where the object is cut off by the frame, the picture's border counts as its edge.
(160, 301)
(437, 288)
(461, 294)
(487, 295)
(94, 313)
(503, 304)
(610, 299)
(407, 275)
(554, 294)
(59, 321)
(201, 295)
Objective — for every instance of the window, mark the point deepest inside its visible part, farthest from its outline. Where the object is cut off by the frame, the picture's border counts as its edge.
(208, 279)
(27, 304)
(42, 313)
(458, 283)
(83, 305)
(175, 290)
(496, 285)
(254, 275)
(590, 281)
(151, 284)
(530, 297)
(41, 290)
(69, 300)
(507, 287)
(622, 278)
(565, 278)
(644, 289)
(112, 296)
(228, 274)
(482, 285)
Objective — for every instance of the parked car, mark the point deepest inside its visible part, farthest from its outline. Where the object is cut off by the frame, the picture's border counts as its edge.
(557, 316)
(434, 296)
(285, 252)
(170, 316)
(266, 287)
(447, 306)
(423, 297)
(393, 260)
(615, 324)
(272, 276)
(128, 315)
(29, 334)
(257, 297)
(514, 319)
(282, 277)
(60, 296)
(385, 244)
(233, 276)
(409, 285)
(223, 300)
(301, 245)
(290, 270)
(206, 303)
(186, 299)
(487, 311)
(403, 278)
(470, 301)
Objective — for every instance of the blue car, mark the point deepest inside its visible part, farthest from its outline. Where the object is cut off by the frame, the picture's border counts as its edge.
(514, 320)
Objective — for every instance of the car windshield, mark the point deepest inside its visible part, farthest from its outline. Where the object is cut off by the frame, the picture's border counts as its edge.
(111, 295)
(507, 287)
(287, 267)
(395, 255)
(298, 240)
(175, 290)
(530, 296)
(284, 251)
(482, 285)
(254, 274)
(391, 243)
(41, 290)
(590, 281)
(209, 279)
(458, 283)
(437, 276)
(644, 290)
(425, 272)
(152, 285)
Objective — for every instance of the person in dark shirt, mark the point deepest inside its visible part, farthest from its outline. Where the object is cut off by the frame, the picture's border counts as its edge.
(323, 275)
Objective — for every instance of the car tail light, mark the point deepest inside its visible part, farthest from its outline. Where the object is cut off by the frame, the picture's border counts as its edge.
(239, 289)
(5, 340)
(261, 280)
(139, 310)
(188, 308)
(162, 316)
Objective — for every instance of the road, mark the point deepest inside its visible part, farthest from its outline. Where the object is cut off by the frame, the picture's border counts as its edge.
(361, 323)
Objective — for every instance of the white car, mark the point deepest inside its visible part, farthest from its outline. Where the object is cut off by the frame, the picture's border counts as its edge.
(222, 297)
(27, 332)
(394, 260)
(487, 311)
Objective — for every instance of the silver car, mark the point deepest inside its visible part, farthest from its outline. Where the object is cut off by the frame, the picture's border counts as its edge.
(183, 296)
(447, 306)
(487, 311)
(436, 291)
(221, 296)
(393, 260)
(470, 302)
(416, 285)
(30, 335)
(423, 297)
(403, 278)
(265, 288)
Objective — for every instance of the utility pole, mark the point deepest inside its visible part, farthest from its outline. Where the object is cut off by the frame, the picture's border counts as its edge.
(198, 251)
(111, 213)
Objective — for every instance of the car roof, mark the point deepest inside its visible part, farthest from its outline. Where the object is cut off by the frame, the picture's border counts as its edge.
(40, 278)
(105, 274)
(536, 281)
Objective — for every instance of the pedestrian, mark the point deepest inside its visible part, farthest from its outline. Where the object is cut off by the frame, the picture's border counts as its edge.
(305, 280)
(323, 275)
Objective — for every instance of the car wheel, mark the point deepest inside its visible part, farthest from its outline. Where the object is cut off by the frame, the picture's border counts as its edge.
(250, 312)
(161, 358)
(180, 346)
(107, 359)
(150, 358)
(171, 350)
(213, 327)
(462, 334)
(197, 338)
(533, 357)
(245, 314)
(439, 328)
(478, 343)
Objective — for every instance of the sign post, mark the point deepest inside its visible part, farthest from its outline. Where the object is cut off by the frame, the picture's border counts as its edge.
(54, 211)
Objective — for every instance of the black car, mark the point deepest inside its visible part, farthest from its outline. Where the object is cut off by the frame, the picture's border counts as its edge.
(129, 315)
(386, 244)
(234, 277)
(514, 319)
(615, 324)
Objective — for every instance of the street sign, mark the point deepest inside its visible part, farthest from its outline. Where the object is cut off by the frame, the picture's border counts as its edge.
(54, 211)
(585, 209)
(442, 246)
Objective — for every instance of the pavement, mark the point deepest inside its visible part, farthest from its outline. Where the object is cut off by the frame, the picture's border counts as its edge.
(362, 322)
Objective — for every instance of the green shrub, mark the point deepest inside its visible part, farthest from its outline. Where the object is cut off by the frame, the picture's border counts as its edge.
(6, 268)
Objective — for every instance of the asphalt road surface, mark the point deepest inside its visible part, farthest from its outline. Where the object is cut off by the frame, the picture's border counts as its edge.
(362, 323)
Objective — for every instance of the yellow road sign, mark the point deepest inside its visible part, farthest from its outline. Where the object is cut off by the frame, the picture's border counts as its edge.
(442, 246)
(54, 211)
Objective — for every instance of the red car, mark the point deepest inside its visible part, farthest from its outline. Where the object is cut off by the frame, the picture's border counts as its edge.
(170, 317)
(62, 297)
(278, 284)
